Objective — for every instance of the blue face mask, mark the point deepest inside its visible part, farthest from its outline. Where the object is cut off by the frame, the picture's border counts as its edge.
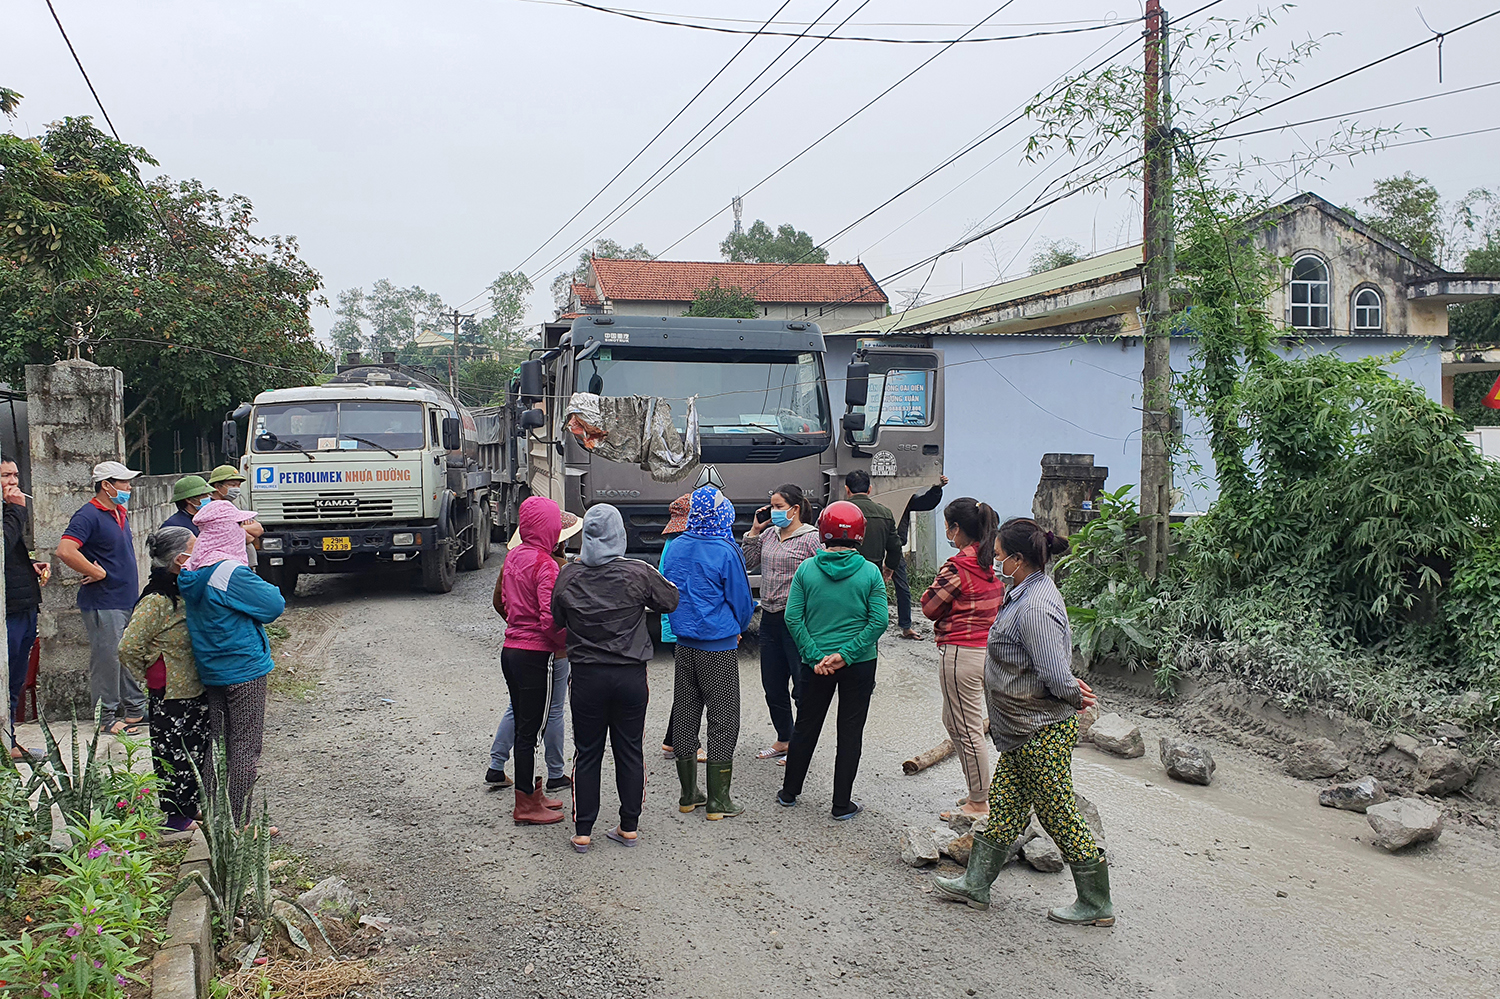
(122, 497)
(781, 518)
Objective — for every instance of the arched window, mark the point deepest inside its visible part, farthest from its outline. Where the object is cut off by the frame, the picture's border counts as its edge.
(1367, 310)
(1310, 293)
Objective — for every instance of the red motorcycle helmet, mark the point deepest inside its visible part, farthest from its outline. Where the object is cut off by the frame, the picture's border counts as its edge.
(841, 521)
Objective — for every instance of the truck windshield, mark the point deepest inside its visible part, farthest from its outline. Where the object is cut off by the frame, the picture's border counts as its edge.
(338, 426)
(737, 393)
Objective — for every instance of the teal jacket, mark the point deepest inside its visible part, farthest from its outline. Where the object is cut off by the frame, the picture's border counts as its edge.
(228, 607)
(837, 604)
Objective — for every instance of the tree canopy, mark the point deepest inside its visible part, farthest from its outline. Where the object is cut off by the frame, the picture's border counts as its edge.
(166, 279)
(726, 303)
(1055, 253)
(759, 245)
(562, 283)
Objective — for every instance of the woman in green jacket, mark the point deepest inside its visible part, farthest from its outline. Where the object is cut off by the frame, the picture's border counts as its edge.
(836, 611)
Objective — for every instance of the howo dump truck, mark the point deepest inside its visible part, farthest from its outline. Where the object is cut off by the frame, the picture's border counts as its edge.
(763, 409)
(378, 468)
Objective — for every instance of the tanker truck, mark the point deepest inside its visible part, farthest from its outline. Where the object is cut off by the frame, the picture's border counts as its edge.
(378, 469)
(765, 416)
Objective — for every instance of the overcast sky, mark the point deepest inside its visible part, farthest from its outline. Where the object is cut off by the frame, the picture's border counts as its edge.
(440, 143)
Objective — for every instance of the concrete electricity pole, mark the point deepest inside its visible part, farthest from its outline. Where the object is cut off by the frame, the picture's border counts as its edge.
(1156, 367)
(455, 317)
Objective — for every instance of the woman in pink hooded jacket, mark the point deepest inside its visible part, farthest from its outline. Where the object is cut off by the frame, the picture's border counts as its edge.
(523, 597)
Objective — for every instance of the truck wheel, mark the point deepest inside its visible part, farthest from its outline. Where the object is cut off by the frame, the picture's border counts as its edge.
(473, 559)
(280, 577)
(439, 570)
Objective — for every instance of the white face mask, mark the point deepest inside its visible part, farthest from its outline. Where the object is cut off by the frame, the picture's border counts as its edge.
(232, 493)
(1008, 580)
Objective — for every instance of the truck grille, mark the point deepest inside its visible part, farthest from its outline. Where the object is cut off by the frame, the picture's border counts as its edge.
(304, 509)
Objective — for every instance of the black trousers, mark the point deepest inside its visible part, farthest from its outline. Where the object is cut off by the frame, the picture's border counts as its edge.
(179, 733)
(780, 664)
(526, 678)
(854, 684)
(608, 701)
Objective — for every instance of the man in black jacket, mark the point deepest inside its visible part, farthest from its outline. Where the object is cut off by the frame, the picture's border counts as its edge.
(917, 504)
(602, 600)
(23, 594)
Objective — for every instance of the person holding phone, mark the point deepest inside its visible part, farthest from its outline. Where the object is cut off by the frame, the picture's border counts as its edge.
(777, 553)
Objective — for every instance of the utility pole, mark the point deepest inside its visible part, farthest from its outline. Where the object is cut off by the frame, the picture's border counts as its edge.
(1156, 366)
(455, 317)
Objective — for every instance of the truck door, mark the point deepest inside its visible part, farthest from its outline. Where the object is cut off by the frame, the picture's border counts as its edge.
(901, 445)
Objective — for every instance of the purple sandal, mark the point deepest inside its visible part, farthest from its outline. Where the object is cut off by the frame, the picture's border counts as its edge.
(619, 837)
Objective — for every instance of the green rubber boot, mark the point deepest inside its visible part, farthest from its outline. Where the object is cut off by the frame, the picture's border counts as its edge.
(719, 803)
(1093, 907)
(985, 861)
(687, 773)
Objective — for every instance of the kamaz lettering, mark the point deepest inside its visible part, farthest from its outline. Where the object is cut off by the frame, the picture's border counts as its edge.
(351, 476)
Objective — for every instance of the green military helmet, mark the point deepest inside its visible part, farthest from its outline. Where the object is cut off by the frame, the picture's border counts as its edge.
(225, 473)
(190, 487)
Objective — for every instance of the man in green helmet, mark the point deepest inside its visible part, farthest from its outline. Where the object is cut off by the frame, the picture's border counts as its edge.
(190, 493)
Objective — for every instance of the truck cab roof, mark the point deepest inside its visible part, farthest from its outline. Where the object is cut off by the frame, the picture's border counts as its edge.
(366, 383)
(693, 332)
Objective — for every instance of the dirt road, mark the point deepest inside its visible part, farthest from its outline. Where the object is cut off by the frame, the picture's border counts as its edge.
(1245, 888)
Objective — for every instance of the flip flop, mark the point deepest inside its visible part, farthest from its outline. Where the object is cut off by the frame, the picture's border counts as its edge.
(619, 837)
(702, 756)
(912, 637)
(781, 762)
(849, 815)
(771, 753)
(579, 847)
(667, 753)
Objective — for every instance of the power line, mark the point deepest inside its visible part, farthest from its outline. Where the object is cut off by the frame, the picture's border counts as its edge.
(863, 24)
(1347, 114)
(641, 152)
(611, 217)
(83, 71)
(667, 21)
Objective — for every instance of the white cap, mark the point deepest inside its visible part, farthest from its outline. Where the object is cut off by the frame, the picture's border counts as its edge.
(113, 470)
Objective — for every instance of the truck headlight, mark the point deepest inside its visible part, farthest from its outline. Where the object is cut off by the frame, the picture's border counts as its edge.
(402, 540)
(270, 544)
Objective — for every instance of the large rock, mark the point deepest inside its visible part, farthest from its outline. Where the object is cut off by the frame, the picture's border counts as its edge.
(1091, 818)
(331, 895)
(1442, 770)
(1115, 735)
(1086, 719)
(962, 822)
(1404, 821)
(1186, 762)
(1315, 759)
(1355, 796)
(1043, 855)
(942, 836)
(960, 848)
(918, 848)
(1407, 744)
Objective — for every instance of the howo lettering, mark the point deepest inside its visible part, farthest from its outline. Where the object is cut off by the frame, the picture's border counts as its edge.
(764, 412)
(379, 468)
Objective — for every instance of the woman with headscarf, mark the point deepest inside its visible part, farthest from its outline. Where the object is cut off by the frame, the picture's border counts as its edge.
(601, 602)
(707, 568)
(228, 607)
(676, 523)
(156, 648)
(523, 597)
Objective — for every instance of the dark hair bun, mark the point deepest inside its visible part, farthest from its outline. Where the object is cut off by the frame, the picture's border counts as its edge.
(1057, 545)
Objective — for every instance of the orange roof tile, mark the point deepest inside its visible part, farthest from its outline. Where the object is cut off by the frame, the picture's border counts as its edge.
(585, 294)
(678, 280)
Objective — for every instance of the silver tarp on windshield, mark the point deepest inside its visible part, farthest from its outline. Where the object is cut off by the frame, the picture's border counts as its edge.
(636, 430)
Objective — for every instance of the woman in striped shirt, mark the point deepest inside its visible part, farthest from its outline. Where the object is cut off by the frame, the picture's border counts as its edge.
(961, 603)
(1034, 701)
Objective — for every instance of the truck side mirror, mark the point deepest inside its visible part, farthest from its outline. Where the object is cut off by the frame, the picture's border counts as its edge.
(533, 419)
(230, 444)
(857, 383)
(854, 421)
(452, 439)
(533, 386)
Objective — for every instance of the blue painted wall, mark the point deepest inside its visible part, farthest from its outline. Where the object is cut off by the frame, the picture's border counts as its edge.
(1011, 399)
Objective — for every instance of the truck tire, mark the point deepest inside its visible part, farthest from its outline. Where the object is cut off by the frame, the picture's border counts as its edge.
(280, 577)
(473, 559)
(439, 570)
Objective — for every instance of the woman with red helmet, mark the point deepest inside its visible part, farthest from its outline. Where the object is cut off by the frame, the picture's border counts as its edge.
(836, 610)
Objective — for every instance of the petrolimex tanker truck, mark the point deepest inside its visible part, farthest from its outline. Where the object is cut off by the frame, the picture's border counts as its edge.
(378, 468)
(765, 414)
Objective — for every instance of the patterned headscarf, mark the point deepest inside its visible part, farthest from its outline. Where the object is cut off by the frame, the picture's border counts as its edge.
(220, 536)
(711, 515)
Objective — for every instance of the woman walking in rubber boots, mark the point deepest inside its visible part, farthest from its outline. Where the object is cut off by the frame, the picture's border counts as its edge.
(708, 570)
(523, 597)
(1034, 700)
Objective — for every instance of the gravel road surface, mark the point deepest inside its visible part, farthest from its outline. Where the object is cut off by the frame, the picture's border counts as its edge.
(1245, 888)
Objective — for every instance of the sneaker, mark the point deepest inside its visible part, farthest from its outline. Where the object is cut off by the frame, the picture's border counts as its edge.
(559, 783)
(785, 802)
(497, 778)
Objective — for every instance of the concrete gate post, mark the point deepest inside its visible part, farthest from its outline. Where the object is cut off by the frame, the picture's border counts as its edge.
(1068, 480)
(76, 421)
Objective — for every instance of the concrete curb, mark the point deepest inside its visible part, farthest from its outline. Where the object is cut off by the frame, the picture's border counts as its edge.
(184, 966)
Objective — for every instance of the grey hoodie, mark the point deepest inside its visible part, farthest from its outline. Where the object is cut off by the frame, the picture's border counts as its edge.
(603, 598)
(603, 535)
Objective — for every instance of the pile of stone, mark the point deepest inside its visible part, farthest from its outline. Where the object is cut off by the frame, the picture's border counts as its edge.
(921, 847)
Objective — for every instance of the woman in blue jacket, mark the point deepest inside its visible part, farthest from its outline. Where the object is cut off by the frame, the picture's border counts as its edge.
(228, 607)
(707, 568)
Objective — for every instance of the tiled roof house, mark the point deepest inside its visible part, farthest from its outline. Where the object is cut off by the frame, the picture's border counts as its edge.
(832, 295)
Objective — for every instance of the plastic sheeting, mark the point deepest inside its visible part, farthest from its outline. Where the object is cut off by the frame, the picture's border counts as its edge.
(636, 430)
(489, 423)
